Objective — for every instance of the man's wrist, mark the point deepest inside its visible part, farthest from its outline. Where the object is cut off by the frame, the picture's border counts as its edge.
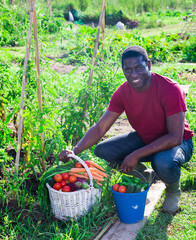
(75, 150)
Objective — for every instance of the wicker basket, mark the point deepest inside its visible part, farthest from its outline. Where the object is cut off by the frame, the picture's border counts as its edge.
(74, 204)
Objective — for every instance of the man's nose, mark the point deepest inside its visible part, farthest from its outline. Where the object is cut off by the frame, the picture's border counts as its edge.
(133, 73)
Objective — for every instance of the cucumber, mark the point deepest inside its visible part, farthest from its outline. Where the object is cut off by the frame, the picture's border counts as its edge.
(137, 188)
(130, 188)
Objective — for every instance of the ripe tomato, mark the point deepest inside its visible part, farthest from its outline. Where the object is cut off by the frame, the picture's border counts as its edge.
(72, 179)
(78, 165)
(63, 183)
(65, 176)
(57, 186)
(58, 178)
(66, 189)
(87, 163)
(115, 187)
(122, 189)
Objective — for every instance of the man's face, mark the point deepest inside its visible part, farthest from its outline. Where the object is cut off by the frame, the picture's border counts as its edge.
(137, 73)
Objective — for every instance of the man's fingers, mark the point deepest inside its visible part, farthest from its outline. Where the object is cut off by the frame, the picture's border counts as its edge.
(64, 155)
(123, 168)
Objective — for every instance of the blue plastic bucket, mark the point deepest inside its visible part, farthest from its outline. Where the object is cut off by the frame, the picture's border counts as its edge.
(130, 206)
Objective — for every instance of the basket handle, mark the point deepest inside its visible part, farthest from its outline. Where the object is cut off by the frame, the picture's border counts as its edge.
(72, 155)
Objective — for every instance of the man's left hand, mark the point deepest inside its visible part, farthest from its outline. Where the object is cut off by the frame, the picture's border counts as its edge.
(129, 163)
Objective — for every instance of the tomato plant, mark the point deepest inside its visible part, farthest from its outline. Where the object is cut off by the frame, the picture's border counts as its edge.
(115, 187)
(122, 189)
(72, 179)
(58, 178)
(57, 186)
(66, 189)
(78, 165)
(65, 176)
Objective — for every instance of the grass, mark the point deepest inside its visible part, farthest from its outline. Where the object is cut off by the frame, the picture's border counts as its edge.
(172, 226)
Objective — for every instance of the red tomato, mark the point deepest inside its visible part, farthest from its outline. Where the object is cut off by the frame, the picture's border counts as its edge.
(115, 187)
(57, 186)
(72, 179)
(78, 165)
(66, 189)
(87, 163)
(122, 189)
(58, 178)
(65, 176)
(63, 183)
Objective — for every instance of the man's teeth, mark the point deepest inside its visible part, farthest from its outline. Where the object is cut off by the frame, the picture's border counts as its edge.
(135, 81)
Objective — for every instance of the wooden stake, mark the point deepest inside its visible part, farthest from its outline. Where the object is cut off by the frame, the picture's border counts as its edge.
(103, 33)
(37, 65)
(95, 50)
(108, 225)
(50, 8)
(23, 88)
(97, 40)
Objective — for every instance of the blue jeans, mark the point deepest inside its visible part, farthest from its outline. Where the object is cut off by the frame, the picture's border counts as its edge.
(166, 163)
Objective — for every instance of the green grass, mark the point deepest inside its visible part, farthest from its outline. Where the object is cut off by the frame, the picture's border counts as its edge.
(172, 226)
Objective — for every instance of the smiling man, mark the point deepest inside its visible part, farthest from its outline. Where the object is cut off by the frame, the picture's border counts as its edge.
(155, 107)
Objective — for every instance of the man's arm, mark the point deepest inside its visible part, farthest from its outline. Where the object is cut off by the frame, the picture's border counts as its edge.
(174, 137)
(96, 132)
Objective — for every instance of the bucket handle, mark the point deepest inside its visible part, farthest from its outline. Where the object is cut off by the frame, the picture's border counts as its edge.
(138, 173)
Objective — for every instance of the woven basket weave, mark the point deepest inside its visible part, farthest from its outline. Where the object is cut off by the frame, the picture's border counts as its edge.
(73, 204)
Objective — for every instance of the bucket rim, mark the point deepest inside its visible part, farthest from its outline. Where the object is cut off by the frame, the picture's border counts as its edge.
(129, 193)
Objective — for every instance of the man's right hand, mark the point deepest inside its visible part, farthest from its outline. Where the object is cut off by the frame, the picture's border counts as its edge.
(64, 155)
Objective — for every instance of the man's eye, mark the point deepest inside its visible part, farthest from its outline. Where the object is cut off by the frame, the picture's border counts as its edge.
(140, 68)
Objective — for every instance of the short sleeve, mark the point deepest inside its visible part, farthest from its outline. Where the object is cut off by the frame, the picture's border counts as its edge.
(116, 103)
(173, 100)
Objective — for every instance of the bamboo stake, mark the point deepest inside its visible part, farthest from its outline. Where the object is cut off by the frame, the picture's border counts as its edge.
(50, 8)
(23, 88)
(97, 40)
(108, 225)
(37, 65)
(95, 50)
(103, 33)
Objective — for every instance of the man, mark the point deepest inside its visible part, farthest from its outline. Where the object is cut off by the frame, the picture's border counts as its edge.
(155, 107)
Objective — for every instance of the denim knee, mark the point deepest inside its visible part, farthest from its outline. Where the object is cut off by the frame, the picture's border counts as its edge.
(168, 171)
(98, 151)
(108, 153)
(103, 152)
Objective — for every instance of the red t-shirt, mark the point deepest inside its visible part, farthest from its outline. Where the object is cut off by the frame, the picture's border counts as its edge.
(147, 111)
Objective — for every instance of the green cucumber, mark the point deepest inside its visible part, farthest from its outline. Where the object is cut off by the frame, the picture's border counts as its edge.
(130, 188)
(137, 188)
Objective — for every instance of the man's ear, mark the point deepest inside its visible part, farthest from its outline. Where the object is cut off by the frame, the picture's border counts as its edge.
(149, 64)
